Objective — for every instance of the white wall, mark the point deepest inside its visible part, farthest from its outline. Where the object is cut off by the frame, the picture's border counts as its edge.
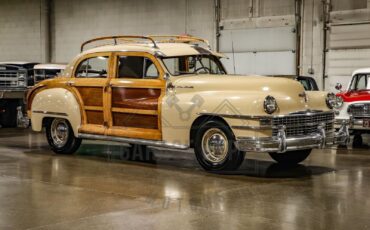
(20, 30)
(258, 36)
(77, 21)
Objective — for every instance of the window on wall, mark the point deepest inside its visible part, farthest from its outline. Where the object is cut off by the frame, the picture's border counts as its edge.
(95, 67)
(136, 67)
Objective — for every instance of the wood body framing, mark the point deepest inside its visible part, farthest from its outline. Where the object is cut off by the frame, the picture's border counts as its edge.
(119, 106)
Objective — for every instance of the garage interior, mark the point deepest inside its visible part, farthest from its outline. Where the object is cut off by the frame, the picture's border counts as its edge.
(96, 188)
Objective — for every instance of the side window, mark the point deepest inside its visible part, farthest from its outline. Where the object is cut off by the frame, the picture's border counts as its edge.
(361, 82)
(95, 67)
(151, 71)
(136, 67)
(306, 84)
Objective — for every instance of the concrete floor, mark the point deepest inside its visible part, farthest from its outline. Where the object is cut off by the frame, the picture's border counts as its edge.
(95, 189)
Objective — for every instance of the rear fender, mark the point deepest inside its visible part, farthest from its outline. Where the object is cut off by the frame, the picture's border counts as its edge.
(55, 103)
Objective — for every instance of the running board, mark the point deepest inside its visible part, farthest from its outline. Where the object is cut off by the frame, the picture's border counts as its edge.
(133, 141)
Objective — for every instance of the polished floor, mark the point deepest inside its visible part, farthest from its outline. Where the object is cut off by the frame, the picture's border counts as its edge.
(98, 189)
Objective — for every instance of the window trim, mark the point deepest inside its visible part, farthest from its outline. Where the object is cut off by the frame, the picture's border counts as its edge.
(89, 56)
(176, 75)
(137, 54)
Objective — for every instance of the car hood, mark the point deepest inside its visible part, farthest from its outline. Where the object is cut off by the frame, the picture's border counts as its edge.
(268, 85)
(352, 96)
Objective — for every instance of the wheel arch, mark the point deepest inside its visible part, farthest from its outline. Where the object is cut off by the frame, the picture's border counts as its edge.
(55, 103)
(201, 120)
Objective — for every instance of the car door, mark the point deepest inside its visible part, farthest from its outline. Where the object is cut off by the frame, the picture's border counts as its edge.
(90, 79)
(134, 96)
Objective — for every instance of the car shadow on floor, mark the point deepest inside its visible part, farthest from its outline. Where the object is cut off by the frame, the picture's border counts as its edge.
(176, 159)
(170, 159)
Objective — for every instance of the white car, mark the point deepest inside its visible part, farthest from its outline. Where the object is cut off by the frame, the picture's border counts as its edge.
(354, 104)
(47, 71)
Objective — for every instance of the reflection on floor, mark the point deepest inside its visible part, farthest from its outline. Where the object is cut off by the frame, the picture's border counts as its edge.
(98, 189)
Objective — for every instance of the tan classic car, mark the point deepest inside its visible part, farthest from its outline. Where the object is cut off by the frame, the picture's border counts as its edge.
(172, 91)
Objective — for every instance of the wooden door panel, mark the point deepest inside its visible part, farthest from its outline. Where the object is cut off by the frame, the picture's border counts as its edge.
(91, 96)
(135, 98)
(135, 103)
(135, 120)
(95, 117)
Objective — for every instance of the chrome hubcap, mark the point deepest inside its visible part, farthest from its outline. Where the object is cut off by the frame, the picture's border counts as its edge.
(215, 145)
(59, 132)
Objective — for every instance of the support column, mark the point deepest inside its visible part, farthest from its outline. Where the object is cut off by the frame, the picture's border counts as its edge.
(312, 41)
(45, 31)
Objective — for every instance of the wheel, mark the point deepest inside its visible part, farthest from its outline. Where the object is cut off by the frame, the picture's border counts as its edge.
(214, 147)
(357, 141)
(9, 116)
(60, 136)
(291, 158)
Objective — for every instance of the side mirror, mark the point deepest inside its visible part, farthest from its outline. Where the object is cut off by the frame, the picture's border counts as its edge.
(166, 76)
(338, 86)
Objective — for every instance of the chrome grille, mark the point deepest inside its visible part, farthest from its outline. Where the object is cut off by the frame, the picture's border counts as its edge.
(9, 78)
(359, 110)
(9, 83)
(303, 124)
(8, 74)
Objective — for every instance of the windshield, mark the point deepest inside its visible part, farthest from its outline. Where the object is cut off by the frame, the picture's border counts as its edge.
(195, 64)
(360, 82)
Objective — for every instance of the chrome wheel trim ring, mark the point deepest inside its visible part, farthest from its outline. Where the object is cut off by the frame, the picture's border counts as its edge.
(59, 132)
(215, 146)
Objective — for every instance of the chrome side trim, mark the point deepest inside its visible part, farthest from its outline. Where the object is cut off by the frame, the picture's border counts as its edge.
(254, 117)
(133, 141)
(50, 113)
(246, 127)
(266, 127)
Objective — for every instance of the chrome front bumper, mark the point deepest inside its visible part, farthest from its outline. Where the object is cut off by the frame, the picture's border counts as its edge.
(281, 143)
(355, 123)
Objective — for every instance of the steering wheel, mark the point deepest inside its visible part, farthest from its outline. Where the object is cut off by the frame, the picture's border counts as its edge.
(208, 70)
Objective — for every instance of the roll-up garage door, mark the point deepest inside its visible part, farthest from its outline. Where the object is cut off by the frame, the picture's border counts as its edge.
(264, 51)
(348, 50)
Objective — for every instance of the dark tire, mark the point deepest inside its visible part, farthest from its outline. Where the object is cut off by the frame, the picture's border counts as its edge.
(8, 118)
(357, 141)
(291, 158)
(60, 136)
(215, 136)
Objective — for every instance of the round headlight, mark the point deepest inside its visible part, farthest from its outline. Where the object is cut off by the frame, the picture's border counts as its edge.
(331, 100)
(338, 102)
(270, 105)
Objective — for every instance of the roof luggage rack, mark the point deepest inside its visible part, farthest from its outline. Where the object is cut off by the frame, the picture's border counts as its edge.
(154, 39)
(179, 39)
(128, 38)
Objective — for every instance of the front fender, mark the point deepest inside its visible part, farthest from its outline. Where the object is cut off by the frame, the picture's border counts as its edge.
(56, 102)
(180, 110)
(316, 100)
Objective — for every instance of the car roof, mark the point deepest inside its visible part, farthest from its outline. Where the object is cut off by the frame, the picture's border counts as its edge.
(50, 66)
(162, 49)
(363, 70)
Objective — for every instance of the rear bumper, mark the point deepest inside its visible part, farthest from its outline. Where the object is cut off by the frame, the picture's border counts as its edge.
(282, 144)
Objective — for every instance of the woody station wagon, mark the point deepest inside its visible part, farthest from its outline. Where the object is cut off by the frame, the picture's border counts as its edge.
(173, 91)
